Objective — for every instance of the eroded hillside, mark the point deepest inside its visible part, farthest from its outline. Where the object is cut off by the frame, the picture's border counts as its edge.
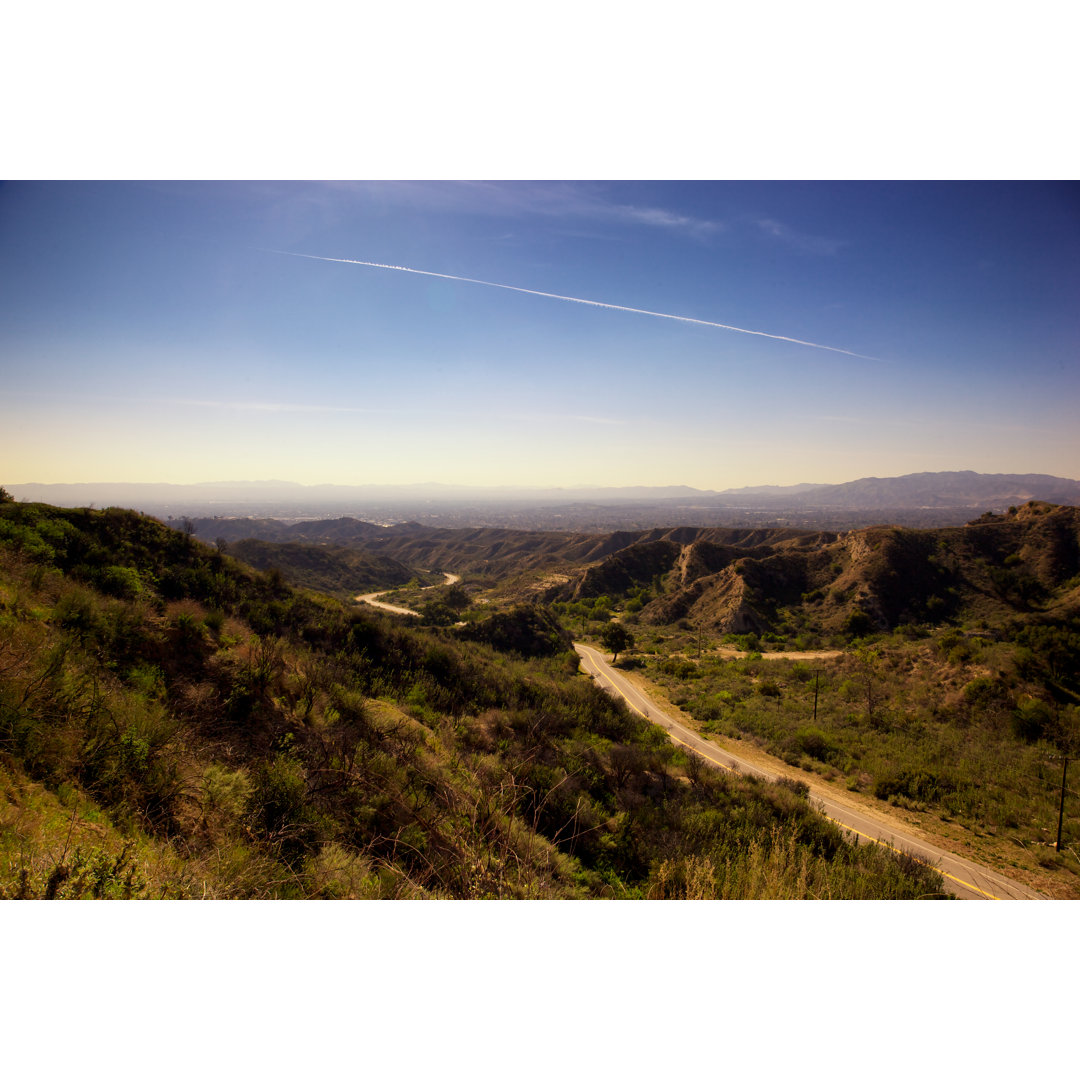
(1021, 565)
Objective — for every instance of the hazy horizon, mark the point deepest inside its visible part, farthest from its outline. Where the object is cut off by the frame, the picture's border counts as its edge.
(538, 335)
(540, 488)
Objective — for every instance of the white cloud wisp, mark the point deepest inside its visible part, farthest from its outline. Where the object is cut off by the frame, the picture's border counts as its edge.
(591, 303)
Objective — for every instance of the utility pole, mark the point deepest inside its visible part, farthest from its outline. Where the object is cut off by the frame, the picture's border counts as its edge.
(1061, 807)
(817, 674)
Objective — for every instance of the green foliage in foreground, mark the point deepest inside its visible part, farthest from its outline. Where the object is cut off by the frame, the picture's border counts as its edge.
(173, 724)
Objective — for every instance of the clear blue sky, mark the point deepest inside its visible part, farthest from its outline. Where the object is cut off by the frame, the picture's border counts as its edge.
(150, 331)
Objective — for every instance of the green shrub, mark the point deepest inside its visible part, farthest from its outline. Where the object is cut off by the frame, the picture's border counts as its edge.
(96, 874)
(224, 793)
(813, 742)
(1031, 720)
(799, 787)
(121, 581)
(148, 679)
(858, 624)
(77, 612)
(280, 811)
(983, 692)
(919, 785)
(438, 614)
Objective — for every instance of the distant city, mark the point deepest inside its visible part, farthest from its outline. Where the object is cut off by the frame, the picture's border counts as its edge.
(918, 499)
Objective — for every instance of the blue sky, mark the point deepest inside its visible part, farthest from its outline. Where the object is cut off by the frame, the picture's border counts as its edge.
(153, 331)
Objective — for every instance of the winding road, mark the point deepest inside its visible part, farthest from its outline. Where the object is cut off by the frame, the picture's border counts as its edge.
(962, 877)
(372, 598)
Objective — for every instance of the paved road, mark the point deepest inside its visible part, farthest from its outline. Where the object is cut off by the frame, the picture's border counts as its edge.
(967, 880)
(372, 598)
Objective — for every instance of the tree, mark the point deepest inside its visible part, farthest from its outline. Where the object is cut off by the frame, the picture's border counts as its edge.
(437, 614)
(5, 496)
(617, 638)
(456, 598)
(858, 624)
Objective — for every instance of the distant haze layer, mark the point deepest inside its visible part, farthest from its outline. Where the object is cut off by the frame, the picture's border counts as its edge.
(953, 494)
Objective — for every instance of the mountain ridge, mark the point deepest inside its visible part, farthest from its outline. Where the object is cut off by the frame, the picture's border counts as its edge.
(960, 489)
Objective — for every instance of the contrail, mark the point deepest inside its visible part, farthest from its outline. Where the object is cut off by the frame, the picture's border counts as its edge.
(591, 303)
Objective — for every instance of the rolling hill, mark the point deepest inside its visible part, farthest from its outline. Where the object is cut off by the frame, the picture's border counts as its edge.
(324, 567)
(175, 724)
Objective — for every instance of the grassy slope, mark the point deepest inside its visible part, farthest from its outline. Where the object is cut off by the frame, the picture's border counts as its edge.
(172, 723)
(324, 568)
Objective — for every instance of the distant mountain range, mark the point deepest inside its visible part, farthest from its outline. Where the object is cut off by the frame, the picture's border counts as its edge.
(986, 491)
(931, 490)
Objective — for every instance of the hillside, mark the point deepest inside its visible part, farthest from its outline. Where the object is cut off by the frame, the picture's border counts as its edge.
(997, 570)
(173, 723)
(495, 551)
(738, 580)
(323, 567)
